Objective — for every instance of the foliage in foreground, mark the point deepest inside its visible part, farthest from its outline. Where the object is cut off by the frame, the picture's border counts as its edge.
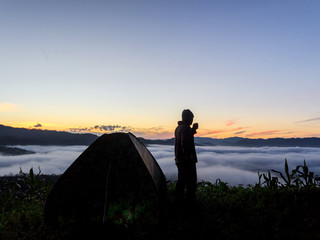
(279, 206)
(22, 201)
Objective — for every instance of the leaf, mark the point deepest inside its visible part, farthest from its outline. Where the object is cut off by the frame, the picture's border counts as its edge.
(294, 172)
(39, 171)
(286, 169)
(281, 175)
(31, 176)
(260, 176)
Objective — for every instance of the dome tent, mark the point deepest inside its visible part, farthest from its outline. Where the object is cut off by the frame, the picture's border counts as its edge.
(115, 179)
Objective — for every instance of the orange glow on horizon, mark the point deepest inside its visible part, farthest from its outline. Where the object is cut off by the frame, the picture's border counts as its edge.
(168, 132)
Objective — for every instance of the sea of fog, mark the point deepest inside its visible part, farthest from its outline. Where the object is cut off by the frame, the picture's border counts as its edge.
(235, 165)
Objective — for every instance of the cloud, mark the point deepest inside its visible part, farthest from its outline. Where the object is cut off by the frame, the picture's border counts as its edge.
(235, 165)
(230, 122)
(101, 129)
(205, 133)
(236, 129)
(37, 125)
(238, 165)
(263, 133)
(51, 159)
(212, 132)
(80, 129)
(153, 132)
(150, 133)
(309, 120)
(9, 107)
(107, 128)
(239, 132)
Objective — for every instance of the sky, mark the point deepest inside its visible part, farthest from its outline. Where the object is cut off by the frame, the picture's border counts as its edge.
(244, 68)
(234, 165)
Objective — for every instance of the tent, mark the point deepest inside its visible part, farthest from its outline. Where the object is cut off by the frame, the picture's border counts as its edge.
(115, 179)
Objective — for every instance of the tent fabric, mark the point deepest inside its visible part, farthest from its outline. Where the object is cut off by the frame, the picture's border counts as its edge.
(115, 178)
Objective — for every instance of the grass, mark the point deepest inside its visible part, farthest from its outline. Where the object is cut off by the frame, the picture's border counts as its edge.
(282, 205)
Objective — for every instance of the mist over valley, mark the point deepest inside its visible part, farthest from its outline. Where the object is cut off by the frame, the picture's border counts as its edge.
(234, 160)
(235, 165)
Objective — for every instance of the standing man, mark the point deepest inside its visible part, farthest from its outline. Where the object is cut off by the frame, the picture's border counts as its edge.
(186, 157)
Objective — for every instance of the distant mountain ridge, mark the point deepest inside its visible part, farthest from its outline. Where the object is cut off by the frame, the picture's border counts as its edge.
(280, 142)
(13, 151)
(23, 136)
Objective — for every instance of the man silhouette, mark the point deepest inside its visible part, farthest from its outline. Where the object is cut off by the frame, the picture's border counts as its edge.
(186, 157)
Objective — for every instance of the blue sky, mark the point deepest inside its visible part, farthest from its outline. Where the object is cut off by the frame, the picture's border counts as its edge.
(245, 68)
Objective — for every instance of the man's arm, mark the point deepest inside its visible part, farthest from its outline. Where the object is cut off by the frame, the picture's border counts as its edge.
(195, 126)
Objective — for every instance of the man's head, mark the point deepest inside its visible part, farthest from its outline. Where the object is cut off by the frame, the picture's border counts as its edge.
(187, 116)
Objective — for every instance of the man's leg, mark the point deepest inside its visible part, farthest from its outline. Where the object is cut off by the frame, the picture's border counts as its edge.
(181, 181)
(191, 182)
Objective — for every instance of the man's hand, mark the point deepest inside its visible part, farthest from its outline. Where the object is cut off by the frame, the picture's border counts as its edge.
(195, 126)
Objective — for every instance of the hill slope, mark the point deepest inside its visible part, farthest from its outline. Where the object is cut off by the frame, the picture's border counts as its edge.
(23, 136)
